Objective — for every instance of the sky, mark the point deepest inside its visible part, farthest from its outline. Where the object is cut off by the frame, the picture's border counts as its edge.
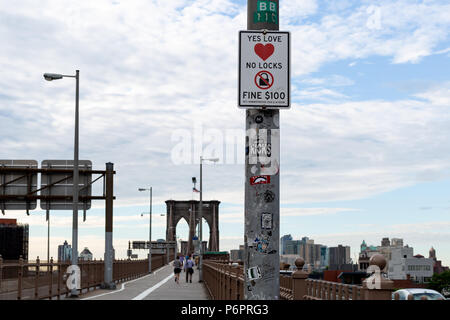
(365, 146)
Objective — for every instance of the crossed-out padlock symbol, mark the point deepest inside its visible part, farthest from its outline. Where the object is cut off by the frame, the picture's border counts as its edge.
(264, 80)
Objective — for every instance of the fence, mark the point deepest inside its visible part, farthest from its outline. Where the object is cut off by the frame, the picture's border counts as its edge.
(223, 281)
(22, 280)
(226, 282)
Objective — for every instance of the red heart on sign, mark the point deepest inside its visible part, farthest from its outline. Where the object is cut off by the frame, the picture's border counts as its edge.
(264, 51)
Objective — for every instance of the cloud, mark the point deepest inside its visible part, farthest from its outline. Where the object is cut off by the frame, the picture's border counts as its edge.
(149, 68)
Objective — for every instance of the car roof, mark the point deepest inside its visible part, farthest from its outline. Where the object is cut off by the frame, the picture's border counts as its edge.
(419, 290)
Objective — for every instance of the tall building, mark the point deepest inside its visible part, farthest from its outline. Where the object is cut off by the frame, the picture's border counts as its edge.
(324, 256)
(292, 247)
(64, 252)
(13, 239)
(339, 257)
(316, 256)
(283, 240)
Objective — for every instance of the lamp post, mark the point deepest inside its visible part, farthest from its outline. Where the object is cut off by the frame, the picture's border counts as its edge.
(200, 273)
(150, 231)
(56, 76)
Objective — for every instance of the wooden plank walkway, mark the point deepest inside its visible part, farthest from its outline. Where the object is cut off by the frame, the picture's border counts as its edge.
(158, 286)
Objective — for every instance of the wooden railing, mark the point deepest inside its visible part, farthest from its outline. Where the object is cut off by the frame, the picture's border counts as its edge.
(326, 290)
(225, 281)
(22, 280)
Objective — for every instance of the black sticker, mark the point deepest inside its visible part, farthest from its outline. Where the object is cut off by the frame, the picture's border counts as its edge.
(259, 119)
(269, 196)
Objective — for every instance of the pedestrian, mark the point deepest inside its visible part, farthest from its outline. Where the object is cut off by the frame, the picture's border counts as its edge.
(185, 259)
(189, 269)
(182, 259)
(177, 264)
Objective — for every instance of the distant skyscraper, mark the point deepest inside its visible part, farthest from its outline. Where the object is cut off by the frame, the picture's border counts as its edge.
(339, 256)
(64, 252)
(13, 240)
(283, 240)
(292, 247)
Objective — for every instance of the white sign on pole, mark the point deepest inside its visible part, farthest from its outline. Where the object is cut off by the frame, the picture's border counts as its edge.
(264, 75)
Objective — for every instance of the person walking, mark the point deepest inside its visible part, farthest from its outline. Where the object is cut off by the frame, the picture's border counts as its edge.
(185, 259)
(177, 264)
(182, 259)
(189, 269)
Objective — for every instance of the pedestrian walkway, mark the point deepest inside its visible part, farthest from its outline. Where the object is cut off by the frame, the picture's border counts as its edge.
(160, 285)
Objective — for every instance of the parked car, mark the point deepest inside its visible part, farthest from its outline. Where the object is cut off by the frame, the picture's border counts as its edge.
(418, 294)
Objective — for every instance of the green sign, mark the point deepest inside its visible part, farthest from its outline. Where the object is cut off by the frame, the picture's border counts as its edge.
(265, 16)
(266, 11)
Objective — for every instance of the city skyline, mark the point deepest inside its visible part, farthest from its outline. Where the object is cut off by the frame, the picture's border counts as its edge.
(364, 147)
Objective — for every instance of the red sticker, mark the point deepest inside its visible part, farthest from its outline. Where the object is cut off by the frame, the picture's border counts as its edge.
(259, 180)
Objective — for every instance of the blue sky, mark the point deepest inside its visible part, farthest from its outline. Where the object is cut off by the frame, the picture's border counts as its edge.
(364, 148)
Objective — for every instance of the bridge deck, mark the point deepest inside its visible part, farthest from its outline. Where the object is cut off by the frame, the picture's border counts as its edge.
(158, 286)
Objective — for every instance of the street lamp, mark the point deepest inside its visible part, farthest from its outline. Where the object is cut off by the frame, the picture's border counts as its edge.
(56, 76)
(200, 273)
(150, 231)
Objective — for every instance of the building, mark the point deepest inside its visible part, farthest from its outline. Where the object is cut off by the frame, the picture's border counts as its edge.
(324, 256)
(237, 254)
(283, 240)
(385, 242)
(340, 258)
(366, 252)
(437, 267)
(86, 255)
(64, 252)
(385, 249)
(404, 265)
(292, 247)
(396, 242)
(14, 240)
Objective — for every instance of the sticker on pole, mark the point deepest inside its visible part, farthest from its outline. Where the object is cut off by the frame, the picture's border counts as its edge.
(264, 74)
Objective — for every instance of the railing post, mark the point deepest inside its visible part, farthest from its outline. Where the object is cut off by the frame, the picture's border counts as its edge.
(58, 289)
(299, 280)
(346, 293)
(50, 270)
(377, 287)
(354, 292)
(20, 280)
(333, 291)
(36, 279)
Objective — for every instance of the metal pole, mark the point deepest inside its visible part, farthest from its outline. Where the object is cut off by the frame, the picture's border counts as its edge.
(48, 236)
(74, 291)
(108, 271)
(262, 259)
(150, 236)
(200, 261)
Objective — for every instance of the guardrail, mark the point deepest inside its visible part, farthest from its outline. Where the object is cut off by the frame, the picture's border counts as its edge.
(22, 280)
(225, 281)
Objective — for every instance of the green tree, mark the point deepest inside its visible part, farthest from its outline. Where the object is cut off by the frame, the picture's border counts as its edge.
(440, 282)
